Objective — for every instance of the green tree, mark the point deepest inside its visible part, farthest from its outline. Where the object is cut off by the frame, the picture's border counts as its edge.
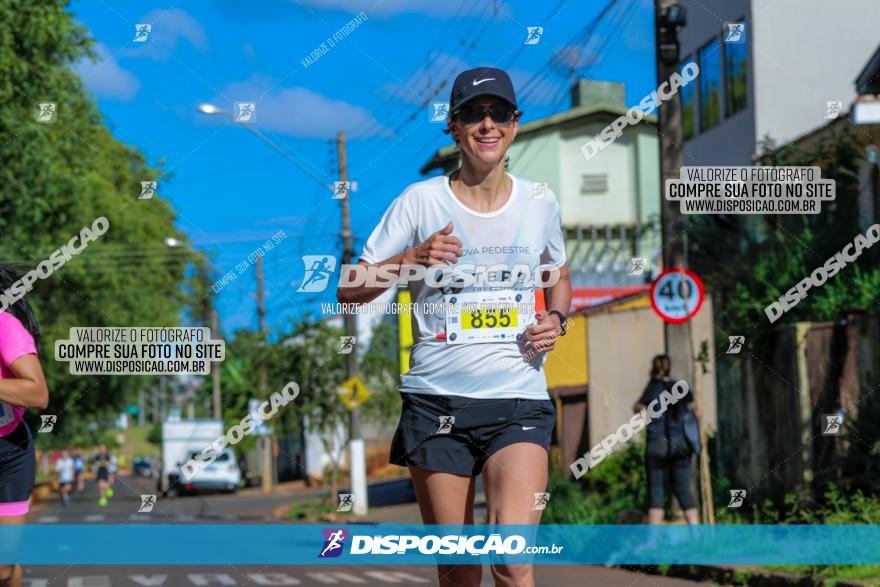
(748, 262)
(56, 178)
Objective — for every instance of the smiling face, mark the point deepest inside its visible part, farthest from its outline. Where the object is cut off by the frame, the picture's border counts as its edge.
(484, 143)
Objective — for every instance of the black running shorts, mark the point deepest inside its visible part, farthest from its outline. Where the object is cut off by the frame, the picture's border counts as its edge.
(457, 434)
(18, 465)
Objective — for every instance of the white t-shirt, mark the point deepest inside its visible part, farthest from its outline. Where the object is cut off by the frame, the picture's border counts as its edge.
(525, 231)
(65, 467)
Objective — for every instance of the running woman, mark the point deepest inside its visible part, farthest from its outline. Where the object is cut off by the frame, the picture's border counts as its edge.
(79, 466)
(102, 471)
(22, 386)
(65, 467)
(475, 398)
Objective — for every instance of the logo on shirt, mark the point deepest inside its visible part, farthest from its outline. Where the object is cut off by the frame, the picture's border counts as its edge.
(319, 268)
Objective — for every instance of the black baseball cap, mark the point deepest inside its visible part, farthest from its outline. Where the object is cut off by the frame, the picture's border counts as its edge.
(481, 81)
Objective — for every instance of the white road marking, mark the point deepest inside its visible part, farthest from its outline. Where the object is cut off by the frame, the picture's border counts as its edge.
(273, 579)
(47, 519)
(396, 577)
(185, 518)
(27, 582)
(149, 580)
(208, 578)
(94, 518)
(333, 577)
(89, 581)
(140, 517)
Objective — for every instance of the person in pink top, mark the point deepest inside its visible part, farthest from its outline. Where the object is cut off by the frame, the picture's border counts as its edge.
(22, 386)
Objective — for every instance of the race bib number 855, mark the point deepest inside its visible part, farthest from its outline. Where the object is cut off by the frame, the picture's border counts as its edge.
(488, 316)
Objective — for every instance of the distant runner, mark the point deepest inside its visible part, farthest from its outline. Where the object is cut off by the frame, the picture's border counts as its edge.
(102, 470)
(79, 466)
(65, 467)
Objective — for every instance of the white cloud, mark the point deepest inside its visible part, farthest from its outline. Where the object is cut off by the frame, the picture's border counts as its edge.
(299, 111)
(105, 78)
(169, 27)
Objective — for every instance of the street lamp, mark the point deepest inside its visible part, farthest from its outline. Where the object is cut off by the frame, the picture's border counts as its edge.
(215, 367)
(211, 109)
(206, 108)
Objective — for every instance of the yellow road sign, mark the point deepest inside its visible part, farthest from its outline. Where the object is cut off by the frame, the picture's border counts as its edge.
(353, 392)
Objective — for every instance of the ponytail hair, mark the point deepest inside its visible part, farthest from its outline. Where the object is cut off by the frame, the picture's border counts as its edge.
(20, 309)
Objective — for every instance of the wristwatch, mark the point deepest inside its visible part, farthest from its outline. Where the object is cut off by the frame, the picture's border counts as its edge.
(561, 320)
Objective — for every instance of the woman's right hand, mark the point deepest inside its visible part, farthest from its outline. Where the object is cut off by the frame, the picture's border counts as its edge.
(438, 249)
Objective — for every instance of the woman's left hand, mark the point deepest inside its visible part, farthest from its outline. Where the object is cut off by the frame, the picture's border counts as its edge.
(541, 337)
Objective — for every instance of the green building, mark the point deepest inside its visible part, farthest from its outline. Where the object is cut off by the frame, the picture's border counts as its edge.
(610, 203)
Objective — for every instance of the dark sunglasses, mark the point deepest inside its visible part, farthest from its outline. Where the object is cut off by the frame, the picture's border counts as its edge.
(501, 114)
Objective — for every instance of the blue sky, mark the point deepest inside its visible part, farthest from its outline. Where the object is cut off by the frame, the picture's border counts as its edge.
(232, 192)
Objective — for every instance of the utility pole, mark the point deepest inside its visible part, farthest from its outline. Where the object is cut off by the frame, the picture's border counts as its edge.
(356, 452)
(215, 371)
(261, 305)
(671, 161)
(265, 441)
(668, 16)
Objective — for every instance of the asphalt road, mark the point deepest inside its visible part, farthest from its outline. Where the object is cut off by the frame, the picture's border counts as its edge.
(254, 508)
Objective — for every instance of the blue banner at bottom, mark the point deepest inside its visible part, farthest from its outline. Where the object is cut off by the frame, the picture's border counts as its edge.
(288, 544)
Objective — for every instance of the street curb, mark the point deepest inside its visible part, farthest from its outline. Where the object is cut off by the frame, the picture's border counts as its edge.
(736, 576)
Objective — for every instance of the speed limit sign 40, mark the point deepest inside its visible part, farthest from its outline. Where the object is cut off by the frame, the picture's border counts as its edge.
(677, 295)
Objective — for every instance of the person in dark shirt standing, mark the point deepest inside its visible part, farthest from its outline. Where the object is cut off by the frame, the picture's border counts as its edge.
(668, 452)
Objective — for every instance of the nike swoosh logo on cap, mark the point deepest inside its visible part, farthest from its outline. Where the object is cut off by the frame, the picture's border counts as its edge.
(528, 427)
(488, 79)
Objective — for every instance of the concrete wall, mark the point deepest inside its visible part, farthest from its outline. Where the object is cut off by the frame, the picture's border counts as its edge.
(617, 161)
(806, 53)
(621, 346)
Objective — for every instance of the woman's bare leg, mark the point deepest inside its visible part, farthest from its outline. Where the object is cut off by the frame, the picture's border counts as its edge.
(511, 478)
(656, 515)
(445, 498)
(10, 575)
